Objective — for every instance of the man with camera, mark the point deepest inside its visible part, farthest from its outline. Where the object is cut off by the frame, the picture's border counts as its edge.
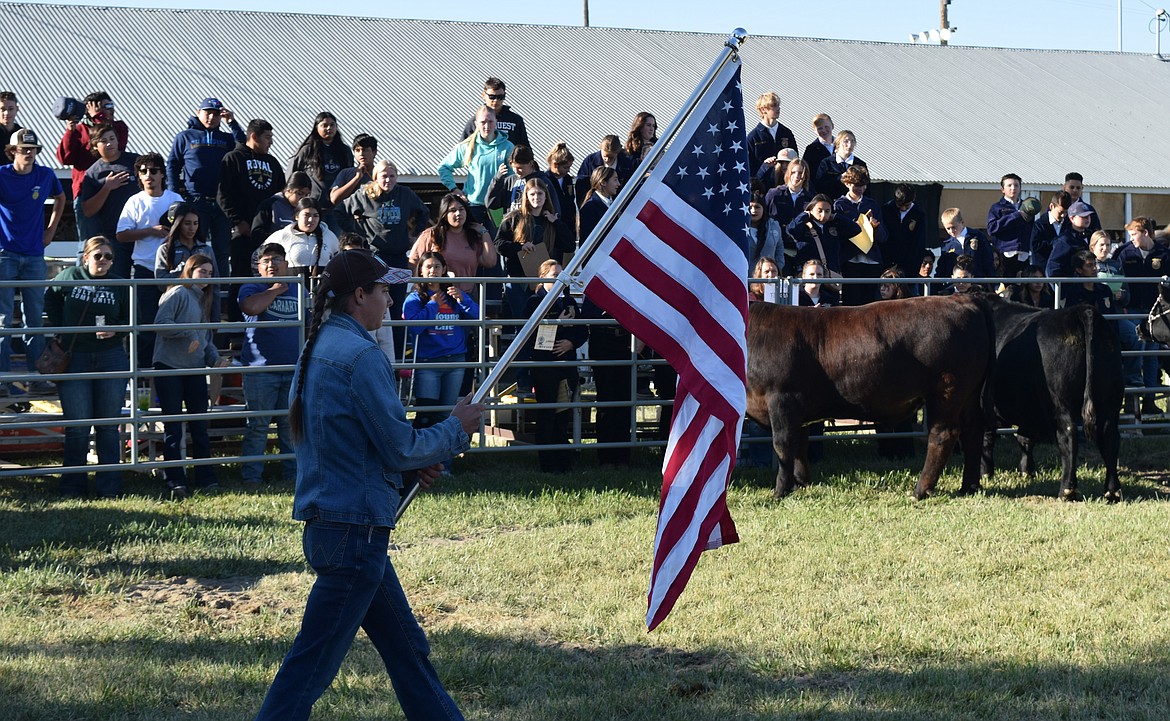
(80, 118)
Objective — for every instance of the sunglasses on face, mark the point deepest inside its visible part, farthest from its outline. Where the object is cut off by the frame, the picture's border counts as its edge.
(102, 256)
(149, 171)
(28, 151)
(501, 96)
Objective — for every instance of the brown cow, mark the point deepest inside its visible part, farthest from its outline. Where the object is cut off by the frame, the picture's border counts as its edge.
(878, 362)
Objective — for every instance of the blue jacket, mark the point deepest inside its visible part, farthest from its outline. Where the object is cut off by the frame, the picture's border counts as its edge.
(782, 207)
(832, 235)
(906, 237)
(1044, 237)
(1008, 228)
(357, 440)
(1154, 265)
(193, 165)
(813, 154)
(625, 167)
(591, 213)
(974, 244)
(761, 145)
(432, 341)
(780, 204)
(1068, 242)
(846, 209)
(827, 176)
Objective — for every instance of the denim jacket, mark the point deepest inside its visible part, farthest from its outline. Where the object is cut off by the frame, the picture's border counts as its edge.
(357, 440)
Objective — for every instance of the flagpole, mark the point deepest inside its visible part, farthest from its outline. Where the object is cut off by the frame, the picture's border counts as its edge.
(589, 245)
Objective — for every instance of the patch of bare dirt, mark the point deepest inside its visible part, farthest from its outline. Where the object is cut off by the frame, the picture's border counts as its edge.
(223, 598)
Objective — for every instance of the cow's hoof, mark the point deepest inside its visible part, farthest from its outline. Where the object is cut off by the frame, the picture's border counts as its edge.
(970, 490)
(1070, 494)
(780, 493)
(1113, 496)
(921, 495)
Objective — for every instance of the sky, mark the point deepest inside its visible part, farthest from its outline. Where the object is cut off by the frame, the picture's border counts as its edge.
(1043, 24)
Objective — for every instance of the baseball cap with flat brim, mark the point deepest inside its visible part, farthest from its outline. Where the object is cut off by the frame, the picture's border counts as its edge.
(353, 269)
(25, 138)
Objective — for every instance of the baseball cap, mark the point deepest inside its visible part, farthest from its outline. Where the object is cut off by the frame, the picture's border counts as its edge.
(176, 210)
(211, 104)
(787, 155)
(353, 269)
(65, 108)
(1079, 210)
(25, 138)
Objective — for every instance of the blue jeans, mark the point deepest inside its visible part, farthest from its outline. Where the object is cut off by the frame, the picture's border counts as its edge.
(266, 392)
(438, 387)
(441, 385)
(15, 266)
(96, 399)
(173, 392)
(356, 587)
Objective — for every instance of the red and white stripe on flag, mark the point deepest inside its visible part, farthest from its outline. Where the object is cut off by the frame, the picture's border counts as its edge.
(673, 271)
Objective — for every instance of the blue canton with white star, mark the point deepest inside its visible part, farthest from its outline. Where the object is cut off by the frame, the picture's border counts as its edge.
(711, 172)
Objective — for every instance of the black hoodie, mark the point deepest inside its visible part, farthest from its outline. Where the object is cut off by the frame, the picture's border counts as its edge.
(245, 179)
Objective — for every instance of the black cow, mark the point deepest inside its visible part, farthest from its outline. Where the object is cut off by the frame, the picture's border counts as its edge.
(877, 362)
(1054, 368)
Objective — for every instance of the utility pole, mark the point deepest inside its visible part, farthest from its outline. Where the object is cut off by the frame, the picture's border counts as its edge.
(945, 26)
(586, 13)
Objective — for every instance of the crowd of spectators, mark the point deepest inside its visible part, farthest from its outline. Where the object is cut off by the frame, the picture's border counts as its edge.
(220, 204)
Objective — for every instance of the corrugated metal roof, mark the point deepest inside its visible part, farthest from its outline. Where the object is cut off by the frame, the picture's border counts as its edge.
(954, 115)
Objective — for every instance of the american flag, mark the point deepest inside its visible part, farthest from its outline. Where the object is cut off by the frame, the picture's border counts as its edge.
(673, 270)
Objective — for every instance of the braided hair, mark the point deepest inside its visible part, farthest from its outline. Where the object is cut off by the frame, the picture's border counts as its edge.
(323, 304)
(295, 411)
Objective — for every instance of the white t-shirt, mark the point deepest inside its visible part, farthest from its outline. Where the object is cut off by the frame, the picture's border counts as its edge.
(143, 211)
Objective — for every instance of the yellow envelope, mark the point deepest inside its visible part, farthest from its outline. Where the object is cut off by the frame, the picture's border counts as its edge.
(864, 238)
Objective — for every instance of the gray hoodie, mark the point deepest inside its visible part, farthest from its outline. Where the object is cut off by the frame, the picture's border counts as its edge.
(180, 304)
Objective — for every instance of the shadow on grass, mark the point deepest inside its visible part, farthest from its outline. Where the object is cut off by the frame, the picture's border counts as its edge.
(517, 679)
(53, 534)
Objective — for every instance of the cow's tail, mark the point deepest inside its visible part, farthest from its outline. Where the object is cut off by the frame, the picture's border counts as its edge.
(1089, 409)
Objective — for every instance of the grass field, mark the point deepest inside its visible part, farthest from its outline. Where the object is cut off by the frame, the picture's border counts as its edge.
(848, 600)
